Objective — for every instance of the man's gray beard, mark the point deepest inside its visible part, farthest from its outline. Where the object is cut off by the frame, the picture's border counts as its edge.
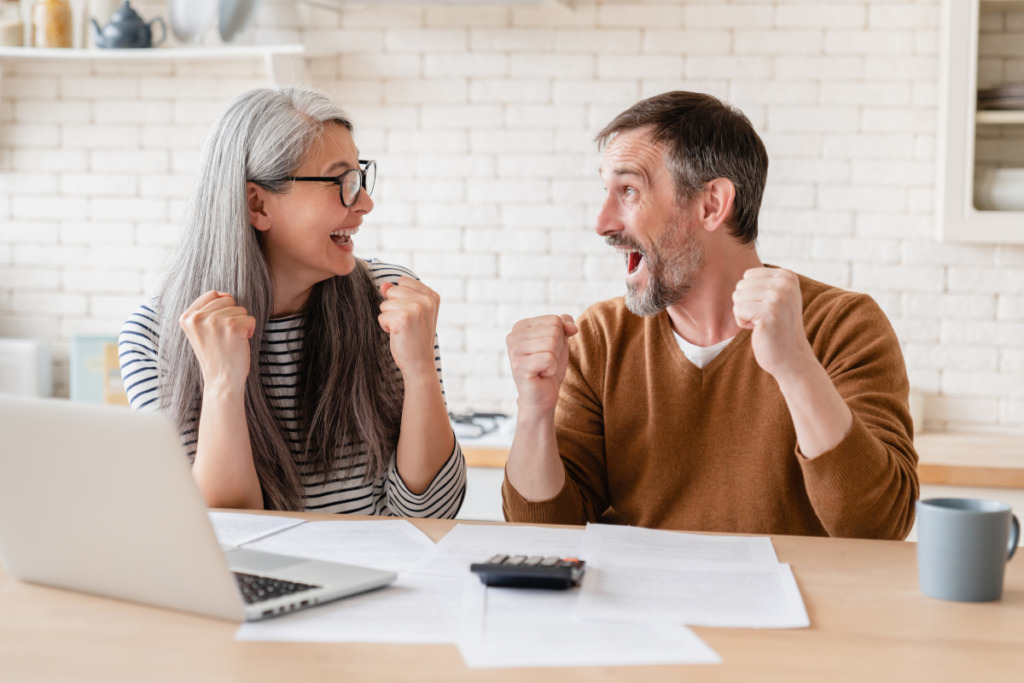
(668, 281)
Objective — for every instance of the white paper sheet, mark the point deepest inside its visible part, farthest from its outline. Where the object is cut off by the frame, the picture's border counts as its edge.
(512, 627)
(627, 546)
(393, 545)
(239, 528)
(415, 609)
(756, 596)
(469, 543)
(645, 575)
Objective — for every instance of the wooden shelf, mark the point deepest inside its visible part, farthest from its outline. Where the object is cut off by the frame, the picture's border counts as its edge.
(279, 59)
(167, 53)
(339, 4)
(946, 458)
(992, 117)
(966, 459)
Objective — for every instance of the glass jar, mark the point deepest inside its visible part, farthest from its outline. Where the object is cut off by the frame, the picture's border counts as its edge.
(12, 28)
(51, 23)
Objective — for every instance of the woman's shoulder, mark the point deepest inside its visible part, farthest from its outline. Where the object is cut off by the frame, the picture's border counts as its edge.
(140, 331)
(145, 316)
(381, 271)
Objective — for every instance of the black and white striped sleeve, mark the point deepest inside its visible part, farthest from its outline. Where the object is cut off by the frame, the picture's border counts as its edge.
(137, 354)
(441, 499)
(444, 496)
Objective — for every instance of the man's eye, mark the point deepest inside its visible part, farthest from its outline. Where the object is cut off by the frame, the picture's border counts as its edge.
(629, 191)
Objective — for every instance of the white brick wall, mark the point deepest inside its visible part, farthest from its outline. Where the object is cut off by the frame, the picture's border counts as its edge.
(481, 119)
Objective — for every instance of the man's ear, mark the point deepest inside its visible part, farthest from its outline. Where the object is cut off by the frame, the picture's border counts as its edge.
(719, 195)
(255, 197)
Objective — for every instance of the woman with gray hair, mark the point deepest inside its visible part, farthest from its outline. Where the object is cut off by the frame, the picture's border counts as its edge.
(300, 376)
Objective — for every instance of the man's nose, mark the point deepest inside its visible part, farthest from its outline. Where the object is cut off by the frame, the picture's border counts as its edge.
(608, 219)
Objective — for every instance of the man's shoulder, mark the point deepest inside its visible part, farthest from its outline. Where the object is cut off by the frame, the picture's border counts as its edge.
(610, 314)
(611, 325)
(821, 296)
(828, 307)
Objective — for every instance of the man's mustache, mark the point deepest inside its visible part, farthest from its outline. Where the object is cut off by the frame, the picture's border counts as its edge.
(623, 241)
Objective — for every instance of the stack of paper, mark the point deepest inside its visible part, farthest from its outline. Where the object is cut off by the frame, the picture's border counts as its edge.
(641, 588)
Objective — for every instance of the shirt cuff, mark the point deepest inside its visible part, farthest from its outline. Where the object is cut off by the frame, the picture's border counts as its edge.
(443, 496)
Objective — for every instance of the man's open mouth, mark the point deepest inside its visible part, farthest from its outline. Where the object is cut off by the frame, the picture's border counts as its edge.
(633, 260)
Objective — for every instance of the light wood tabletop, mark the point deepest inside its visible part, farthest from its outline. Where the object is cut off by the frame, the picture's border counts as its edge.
(869, 622)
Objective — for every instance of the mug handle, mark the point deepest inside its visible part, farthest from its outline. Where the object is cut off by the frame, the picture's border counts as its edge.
(163, 31)
(1014, 536)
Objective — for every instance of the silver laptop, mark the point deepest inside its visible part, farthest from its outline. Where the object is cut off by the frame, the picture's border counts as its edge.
(100, 499)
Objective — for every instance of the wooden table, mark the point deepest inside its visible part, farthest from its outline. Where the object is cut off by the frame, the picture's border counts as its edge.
(868, 622)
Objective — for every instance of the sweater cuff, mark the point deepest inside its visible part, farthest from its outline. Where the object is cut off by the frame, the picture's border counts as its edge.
(856, 460)
(562, 509)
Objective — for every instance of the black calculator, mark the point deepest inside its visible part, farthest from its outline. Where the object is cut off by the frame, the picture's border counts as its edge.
(533, 571)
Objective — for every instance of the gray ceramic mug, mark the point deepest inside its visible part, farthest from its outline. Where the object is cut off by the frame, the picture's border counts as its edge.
(963, 545)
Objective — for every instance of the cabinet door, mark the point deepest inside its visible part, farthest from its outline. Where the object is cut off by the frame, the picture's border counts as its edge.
(958, 219)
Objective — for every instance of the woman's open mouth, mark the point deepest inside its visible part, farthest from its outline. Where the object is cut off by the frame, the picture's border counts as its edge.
(343, 236)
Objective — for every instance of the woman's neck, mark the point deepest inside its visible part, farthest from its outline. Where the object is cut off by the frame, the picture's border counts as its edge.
(289, 301)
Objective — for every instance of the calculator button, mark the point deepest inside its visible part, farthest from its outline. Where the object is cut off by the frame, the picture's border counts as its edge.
(515, 559)
(497, 559)
(533, 560)
(549, 561)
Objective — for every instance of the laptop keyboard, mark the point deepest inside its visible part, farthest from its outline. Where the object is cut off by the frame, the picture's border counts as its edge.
(259, 588)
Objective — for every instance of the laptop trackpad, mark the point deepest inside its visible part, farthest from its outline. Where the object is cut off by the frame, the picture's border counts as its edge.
(240, 559)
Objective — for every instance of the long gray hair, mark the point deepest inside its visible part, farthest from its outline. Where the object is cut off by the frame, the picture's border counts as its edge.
(349, 387)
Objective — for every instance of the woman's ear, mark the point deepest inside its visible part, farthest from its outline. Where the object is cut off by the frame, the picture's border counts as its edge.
(719, 195)
(254, 197)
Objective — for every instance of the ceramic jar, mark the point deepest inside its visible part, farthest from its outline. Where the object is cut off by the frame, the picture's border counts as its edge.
(12, 29)
(51, 23)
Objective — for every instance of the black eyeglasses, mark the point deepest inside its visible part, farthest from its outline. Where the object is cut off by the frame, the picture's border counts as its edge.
(350, 182)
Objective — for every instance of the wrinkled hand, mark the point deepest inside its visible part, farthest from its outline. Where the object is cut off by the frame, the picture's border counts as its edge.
(219, 332)
(539, 354)
(409, 315)
(768, 301)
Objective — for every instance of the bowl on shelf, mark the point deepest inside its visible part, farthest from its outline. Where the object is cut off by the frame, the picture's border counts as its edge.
(235, 17)
(190, 19)
(999, 189)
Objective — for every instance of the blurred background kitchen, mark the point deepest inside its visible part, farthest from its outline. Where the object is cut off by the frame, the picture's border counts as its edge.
(883, 176)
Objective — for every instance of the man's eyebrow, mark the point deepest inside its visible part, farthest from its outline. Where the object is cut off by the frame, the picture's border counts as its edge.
(624, 171)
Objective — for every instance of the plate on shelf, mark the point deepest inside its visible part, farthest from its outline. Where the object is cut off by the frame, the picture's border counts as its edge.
(999, 189)
(190, 19)
(235, 16)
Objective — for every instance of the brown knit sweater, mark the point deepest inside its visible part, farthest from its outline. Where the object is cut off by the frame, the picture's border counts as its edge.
(649, 439)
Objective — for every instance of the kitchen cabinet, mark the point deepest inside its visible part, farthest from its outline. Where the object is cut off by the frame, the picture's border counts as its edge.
(962, 126)
(284, 63)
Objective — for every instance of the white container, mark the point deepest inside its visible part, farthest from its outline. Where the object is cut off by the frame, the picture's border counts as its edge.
(999, 189)
(26, 368)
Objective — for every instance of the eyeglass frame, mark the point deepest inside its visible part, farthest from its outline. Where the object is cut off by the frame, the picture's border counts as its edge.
(341, 186)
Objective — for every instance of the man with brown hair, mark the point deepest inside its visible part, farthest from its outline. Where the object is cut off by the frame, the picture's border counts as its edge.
(719, 394)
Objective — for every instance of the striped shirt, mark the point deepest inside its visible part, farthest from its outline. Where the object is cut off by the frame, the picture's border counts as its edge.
(280, 360)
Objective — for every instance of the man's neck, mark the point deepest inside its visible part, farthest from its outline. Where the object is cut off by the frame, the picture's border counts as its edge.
(704, 316)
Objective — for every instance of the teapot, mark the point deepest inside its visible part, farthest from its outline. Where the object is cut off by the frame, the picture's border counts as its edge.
(127, 29)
